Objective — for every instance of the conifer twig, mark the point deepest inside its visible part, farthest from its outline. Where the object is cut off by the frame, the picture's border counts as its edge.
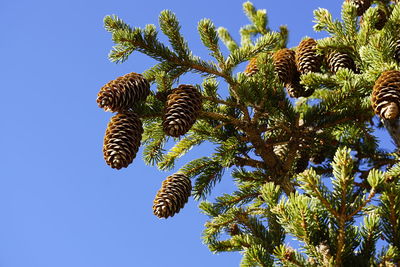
(365, 202)
(324, 201)
(220, 101)
(241, 162)
(216, 116)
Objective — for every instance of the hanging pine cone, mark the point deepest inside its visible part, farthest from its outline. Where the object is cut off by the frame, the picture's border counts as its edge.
(181, 110)
(337, 60)
(251, 67)
(386, 95)
(397, 50)
(172, 196)
(362, 5)
(296, 90)
(307, 59)
(122, 139)
(285, 65)
(124, 92)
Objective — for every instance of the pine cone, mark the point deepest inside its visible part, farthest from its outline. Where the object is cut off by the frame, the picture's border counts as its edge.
(296, 90)
(362, 5)
(285, 65)
(307, 59)
(386, 95)
(181, 110)
(338, 60)
(172, 196)
(397, 50)
(124, 92)
(251, 67)
(122, 139)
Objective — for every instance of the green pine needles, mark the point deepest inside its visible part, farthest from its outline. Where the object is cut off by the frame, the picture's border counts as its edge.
(307, 168)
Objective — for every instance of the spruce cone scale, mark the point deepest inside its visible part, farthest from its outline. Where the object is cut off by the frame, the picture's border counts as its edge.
(172, 196)
(182, 109)
(337, 60)
(251, 67)
(122, 140)
(285, 65)
(296, 90)
(307, 59)
(123, 93)
(386, 95)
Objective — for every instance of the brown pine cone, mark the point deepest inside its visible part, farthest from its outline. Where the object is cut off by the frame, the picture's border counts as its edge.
(172, 196)
(362, 5)
(307, 59)
(338, 60)
(251, 67)
(386, 95)
(123, 93)
(296, 90)
(181, 110)
(122, 139)
(285, 65)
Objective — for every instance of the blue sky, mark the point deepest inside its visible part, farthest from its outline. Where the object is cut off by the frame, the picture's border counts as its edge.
(60, 204)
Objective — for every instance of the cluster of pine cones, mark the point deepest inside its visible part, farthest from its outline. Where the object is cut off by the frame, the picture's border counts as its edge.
(183, 104)
(290, 64)
(386, 91)
(124, 131)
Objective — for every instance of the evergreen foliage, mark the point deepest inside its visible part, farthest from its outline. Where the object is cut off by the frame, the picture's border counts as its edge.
(308, 168)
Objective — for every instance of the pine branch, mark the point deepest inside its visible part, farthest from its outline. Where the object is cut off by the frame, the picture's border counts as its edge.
(170, 27)
(180, 148)
(220, 101)
(265, 135)
(227, 39)
(311, 184)
(241, 162)
(209, 37)
(370, 233)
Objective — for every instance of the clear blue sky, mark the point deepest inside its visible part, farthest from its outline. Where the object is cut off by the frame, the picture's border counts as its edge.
(60, 204)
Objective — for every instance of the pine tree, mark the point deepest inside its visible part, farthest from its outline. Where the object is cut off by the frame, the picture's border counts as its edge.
(308, 167)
